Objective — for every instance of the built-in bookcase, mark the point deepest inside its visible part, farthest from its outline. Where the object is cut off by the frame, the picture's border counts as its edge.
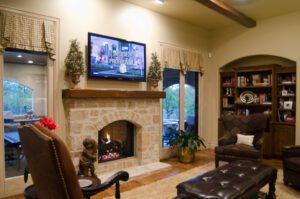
(269, 89)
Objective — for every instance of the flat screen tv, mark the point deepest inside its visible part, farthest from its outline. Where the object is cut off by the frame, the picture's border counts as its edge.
(113, 58)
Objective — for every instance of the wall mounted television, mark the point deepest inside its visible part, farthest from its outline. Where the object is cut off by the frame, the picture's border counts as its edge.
(114, 58)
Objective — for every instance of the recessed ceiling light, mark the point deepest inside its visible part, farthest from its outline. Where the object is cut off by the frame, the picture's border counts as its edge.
(19, 56)
(160, 1)
(30, 62)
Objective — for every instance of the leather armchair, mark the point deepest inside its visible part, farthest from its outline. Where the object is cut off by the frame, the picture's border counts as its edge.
(291, 165)
(228, 150)
(52, 169)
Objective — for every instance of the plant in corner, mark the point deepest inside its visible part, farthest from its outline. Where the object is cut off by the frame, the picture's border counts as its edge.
(187, 144)
(74, 62)
(154, 74)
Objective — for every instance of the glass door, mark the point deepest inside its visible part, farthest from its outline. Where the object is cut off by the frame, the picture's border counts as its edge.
(171, 105)
(191, 102)
(181, 100)
(25, 83)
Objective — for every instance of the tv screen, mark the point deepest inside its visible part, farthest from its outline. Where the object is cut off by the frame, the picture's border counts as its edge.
(113, 58)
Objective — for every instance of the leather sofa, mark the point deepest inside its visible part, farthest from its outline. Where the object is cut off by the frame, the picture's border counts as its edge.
(228, 150)
(291, 165)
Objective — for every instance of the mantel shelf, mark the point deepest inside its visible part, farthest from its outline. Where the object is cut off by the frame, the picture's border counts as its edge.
(94, 93)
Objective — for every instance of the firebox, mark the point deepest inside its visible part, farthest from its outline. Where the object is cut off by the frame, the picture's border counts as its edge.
(116, 141)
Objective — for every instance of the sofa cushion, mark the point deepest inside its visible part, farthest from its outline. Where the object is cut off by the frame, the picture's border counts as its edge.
(293, 163)
(240, 150)
(245, 139)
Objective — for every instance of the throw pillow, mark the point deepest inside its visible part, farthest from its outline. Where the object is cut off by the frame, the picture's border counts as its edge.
(245, 139)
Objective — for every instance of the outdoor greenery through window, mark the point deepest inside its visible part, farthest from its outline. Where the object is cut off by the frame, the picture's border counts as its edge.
(172, 104)
(17, 97)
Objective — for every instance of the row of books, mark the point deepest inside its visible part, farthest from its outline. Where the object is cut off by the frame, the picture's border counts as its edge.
(254, 80)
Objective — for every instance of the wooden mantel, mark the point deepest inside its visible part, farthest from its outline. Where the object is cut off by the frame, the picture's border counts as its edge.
(94, 93)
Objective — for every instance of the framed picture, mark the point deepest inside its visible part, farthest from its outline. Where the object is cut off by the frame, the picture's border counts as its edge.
(284, 93)
(288, 105)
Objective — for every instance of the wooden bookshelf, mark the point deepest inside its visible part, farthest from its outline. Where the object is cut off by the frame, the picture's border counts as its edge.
(265, 88)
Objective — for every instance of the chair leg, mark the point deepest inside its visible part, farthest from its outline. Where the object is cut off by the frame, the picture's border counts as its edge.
(118, 195)
(216, 162)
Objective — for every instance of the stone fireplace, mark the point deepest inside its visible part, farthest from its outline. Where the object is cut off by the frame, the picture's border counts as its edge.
(108, 116)
(116, 141)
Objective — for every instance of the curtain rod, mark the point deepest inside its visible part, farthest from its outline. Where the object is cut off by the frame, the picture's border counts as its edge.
(178, 46)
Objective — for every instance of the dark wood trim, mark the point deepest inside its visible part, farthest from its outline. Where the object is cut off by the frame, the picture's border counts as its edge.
(229, 12)
(94, 93)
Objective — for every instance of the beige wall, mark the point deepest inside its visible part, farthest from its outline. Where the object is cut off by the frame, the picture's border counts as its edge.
(277, 36)
(33, 76)
(114, 18)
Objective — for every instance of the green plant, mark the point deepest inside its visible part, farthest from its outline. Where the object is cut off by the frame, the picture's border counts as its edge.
(74, 61)
(187, 139)
(154, 69)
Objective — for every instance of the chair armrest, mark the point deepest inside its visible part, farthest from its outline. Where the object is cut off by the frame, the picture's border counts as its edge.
(259, 143)
(114, 179)
(291, 151)
(226, 140)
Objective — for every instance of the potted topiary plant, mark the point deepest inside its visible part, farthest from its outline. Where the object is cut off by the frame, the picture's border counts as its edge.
(74, 63)
(154, 74)
(187, 144)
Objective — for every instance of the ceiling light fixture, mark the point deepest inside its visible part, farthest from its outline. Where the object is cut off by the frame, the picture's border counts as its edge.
(30, 62)
(160, 1)
(19, 56)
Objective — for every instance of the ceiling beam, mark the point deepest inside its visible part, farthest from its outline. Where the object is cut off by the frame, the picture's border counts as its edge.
(229, 12)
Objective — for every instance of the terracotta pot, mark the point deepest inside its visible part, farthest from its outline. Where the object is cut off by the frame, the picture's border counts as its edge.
(153, 82)
(186, 155)
(75, 78)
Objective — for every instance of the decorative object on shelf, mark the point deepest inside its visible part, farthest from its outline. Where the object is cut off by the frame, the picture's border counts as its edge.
(48, 122)
(256, 79)
(288, 105)
(187, 143)
(247, 97)
(88, 158)
(284, 92)
(268, 112)
(154, 74)
(74, 63)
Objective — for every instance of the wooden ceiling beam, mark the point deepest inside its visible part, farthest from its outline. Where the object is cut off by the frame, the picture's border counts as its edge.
(229, 12)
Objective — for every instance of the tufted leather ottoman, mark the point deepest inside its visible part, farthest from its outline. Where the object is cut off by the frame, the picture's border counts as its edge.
(238, 179)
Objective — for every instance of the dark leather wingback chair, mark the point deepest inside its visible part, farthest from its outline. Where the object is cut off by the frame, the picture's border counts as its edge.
(228, 150)
(291, 165)
(52, 169)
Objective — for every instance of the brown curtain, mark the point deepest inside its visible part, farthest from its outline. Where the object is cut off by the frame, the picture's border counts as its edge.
(27, 33)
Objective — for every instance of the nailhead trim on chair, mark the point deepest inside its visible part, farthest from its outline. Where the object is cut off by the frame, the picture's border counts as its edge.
(60, 170)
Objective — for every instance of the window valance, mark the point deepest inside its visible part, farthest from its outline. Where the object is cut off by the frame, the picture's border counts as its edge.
(178, 58)
(27, 33)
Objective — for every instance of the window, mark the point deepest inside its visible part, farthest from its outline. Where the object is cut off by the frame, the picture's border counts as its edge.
(25, 89)
(174, 106)
(171, 110)
(191, 102)
(17, 97)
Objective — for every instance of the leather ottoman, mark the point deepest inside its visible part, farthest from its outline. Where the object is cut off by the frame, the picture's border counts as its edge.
(238, 179)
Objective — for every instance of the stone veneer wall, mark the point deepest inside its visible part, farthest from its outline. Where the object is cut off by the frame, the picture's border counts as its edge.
(86, 116)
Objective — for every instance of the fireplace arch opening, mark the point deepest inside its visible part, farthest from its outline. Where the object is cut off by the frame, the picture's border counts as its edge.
(116, 141)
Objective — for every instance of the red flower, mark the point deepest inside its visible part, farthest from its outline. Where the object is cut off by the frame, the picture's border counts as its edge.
(48, 122)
